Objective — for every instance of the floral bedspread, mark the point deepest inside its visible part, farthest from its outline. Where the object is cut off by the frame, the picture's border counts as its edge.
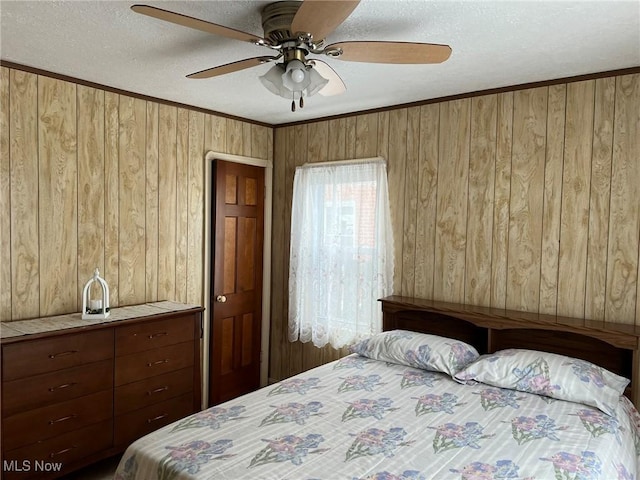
(358, 418)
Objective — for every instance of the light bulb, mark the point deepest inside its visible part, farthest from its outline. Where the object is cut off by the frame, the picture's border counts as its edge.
(297, 75)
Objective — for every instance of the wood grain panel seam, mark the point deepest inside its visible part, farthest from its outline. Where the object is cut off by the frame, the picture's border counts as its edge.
(466, 226)
(609, 158)
(496, 150)
(613, 126)
(546, 154)
(156, 201)
(593, 147)
(508, 233)
(112, 209)
(591, 144)
(7, 229)
(158, 194)
(435, 213)
(410, 212)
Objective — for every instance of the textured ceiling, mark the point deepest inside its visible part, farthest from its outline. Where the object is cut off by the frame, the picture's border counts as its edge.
(495, 44)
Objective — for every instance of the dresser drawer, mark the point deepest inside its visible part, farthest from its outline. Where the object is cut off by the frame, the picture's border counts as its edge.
(138, 366)
(60, 451)
(50, 421)
(134, 396)
(150, 335)
(49, 388)
(28, 358)
(134, 425)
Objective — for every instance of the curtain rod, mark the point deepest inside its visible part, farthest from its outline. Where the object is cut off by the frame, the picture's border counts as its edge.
(344, 162)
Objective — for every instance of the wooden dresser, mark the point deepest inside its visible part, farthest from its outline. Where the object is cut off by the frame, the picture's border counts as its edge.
(80, 393)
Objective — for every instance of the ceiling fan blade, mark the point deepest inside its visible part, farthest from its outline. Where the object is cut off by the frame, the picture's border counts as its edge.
(391, 52)
(232, 67)
(198, 24)
(335, 86)
(321, 17)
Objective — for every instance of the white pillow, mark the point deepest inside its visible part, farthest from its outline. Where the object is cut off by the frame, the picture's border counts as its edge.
(419, 350)
(549, 374)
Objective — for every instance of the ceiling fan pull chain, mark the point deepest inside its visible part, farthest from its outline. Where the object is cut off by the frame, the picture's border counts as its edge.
(293, 105)
(301, 102)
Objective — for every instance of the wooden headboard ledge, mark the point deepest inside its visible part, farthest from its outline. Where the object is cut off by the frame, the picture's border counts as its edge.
(614, 346)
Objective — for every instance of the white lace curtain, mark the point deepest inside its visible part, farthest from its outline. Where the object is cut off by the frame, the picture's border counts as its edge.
(341, 259)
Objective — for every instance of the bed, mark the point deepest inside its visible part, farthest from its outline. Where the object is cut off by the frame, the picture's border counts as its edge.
(446, 392)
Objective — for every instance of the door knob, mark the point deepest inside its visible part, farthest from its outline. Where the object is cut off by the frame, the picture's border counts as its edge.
(221, 298)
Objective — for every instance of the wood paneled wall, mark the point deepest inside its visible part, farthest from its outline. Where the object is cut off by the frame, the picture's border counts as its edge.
(526, 200)
(90, 178)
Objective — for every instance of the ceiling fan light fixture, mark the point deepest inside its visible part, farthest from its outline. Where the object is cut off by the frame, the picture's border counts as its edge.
(272, 80)
(295, 76)
(316, 82)
(293, 80)
(296, 72)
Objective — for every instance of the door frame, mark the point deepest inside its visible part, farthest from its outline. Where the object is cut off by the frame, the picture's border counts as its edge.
(210, 156)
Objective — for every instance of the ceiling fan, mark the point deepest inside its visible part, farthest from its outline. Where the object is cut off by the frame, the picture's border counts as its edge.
(296, 29)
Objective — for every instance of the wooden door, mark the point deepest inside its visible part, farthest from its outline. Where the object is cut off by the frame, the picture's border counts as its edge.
(236, 293)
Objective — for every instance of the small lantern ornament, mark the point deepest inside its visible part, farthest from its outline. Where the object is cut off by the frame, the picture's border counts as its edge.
(95, 308)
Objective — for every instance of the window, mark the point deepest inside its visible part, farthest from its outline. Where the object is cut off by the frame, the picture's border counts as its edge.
(339, 225)
(341, 252)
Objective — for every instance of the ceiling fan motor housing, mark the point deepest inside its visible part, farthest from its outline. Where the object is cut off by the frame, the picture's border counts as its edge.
(276, 22)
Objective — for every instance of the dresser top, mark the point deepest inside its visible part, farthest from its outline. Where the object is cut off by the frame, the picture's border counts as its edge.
(74, 320)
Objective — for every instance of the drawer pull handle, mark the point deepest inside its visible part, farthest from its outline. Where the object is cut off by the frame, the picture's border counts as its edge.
(62, 354)
(158, 390)
(159, 362)
(159, 334)
(60, 387)
(55, 454)
(62, 419)
(159, 417)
